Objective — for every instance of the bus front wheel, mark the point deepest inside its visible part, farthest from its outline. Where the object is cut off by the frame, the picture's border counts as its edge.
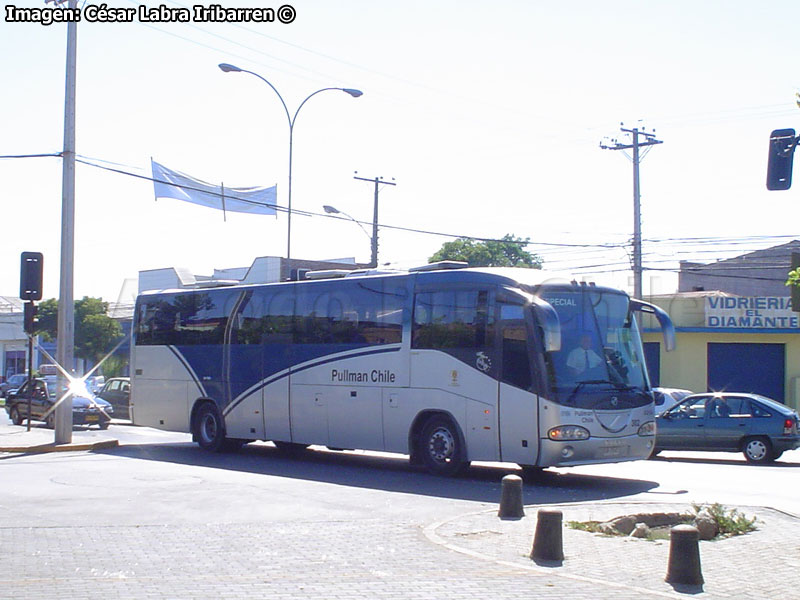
(209, 428)
(440, 447)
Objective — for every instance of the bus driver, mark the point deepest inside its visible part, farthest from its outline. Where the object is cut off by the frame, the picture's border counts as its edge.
(583, 358)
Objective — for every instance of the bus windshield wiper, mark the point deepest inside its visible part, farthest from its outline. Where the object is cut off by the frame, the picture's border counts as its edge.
(617, 384)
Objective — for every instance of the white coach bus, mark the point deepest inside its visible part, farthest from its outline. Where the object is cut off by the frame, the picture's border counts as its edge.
(447, 365)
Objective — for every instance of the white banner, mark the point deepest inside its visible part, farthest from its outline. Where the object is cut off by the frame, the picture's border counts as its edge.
(172, 184)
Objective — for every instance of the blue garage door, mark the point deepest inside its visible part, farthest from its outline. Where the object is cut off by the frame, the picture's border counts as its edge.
(652, 357)
(755, 368)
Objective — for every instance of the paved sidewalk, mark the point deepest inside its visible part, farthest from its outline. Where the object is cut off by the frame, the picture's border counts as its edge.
(469, 555)
(18, 439)
(760, 564)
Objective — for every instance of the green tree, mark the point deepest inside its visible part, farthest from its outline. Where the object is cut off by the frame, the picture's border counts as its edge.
(794, 277)
(507, 252)
(47, 313)
(95, 332)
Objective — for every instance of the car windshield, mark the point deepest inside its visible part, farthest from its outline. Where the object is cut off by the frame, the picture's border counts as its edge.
(601, 346)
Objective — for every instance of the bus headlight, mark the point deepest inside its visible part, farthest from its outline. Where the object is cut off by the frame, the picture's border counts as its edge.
(566, 433)
(648, 429)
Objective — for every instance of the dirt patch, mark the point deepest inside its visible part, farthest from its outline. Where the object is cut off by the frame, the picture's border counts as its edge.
(712, 522)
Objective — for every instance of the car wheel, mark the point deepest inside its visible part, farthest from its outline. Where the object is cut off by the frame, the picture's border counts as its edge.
(440, 447)
(50, 422)
(16, 418)
(757, 450)
(103, 424)
(209, 428)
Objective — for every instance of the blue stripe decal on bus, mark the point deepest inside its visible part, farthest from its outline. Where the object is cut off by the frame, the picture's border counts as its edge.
(189, 369)
(294, 370)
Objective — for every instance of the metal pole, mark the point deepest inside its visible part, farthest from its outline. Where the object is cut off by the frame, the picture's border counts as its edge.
(30, 378)
(650, 140)
(374, 244)
(228, 68)
(637, 221)
(374, 260)
(289, 203)
(66, 316)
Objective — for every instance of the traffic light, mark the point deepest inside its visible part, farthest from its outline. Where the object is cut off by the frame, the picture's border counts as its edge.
(30, 276)
(30, 320)
(781, 157)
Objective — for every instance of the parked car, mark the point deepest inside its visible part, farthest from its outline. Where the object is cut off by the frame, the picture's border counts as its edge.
(42, 395)
(95, 383)
(117, 391)
(666, 398)
(761, 428)
(12, 383)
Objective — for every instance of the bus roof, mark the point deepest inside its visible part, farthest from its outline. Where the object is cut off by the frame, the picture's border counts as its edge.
(510, 276)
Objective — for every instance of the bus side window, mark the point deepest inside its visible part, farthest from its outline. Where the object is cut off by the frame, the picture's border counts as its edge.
(516, 361)
(451, 319)
(157, 321)
(379, 310)
(457, 322)
(249, 322)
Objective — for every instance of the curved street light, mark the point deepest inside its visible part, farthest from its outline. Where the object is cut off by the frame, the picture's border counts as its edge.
(335, 211)
(228, 68)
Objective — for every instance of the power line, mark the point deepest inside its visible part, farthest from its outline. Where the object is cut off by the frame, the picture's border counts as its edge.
(553, 252)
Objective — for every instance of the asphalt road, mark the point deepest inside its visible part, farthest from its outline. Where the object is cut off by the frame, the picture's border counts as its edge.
(178, 482)
(157, 517)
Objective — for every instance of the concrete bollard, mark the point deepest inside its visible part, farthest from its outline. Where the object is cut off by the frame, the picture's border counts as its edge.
(511, 498)
(547, 541)
(684, 556)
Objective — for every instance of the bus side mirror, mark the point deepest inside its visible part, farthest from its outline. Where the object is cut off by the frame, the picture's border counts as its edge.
(782, 143)
(547, 318)
(667, 327)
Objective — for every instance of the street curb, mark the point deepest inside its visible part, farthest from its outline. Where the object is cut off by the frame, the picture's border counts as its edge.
(53, 447)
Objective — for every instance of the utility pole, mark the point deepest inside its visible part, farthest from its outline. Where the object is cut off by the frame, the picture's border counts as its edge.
(66, 308)
(635, 145)
(377, 180)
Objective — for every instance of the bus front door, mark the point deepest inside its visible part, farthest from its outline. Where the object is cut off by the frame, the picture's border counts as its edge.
(517, 404)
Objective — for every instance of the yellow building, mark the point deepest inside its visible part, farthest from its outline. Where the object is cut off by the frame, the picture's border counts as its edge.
(727, 342)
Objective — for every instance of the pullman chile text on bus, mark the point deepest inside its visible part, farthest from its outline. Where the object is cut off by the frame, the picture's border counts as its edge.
(374, 376)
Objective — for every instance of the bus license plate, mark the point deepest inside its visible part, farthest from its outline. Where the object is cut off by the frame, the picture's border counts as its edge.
(614, 450)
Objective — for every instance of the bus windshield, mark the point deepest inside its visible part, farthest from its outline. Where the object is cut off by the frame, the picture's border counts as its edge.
(601, 346)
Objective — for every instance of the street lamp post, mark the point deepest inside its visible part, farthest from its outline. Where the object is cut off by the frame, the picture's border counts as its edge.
(228, 68)
(335, 211)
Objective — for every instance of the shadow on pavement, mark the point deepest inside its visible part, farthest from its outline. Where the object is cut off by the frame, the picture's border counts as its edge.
(391, 473)
(713, 460)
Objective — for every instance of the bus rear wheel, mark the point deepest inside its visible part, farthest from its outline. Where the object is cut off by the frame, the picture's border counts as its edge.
(440, 447)
(209, 428)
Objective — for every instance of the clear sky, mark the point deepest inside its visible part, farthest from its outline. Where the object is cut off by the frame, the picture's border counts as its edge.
(487, 115)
